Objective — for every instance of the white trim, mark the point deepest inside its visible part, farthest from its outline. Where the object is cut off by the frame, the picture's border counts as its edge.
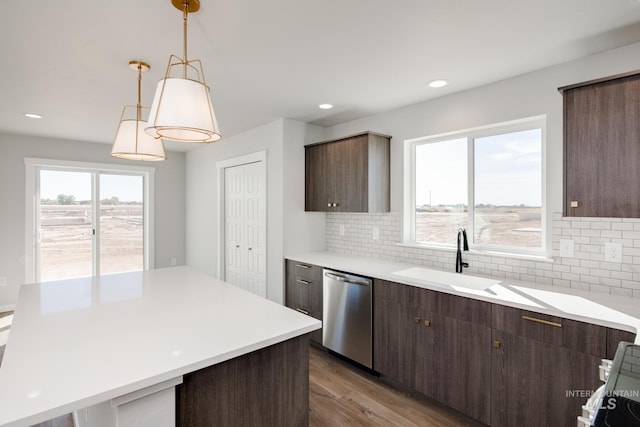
(259, 156)
(32, 186)
(102, 167)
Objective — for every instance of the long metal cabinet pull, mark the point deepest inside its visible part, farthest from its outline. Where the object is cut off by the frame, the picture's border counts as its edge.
(347, 280)
(304, 282)
(302, 266)
(546, 322)
(302, 311)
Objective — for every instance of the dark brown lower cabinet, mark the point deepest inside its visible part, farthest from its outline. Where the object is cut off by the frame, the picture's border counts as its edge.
(462, 366)
(445, 358)
(268, 387)
(534, 383)
(395, 339)
(303, 291)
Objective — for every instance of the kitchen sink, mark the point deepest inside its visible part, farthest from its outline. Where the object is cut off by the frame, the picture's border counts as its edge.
(445, 278)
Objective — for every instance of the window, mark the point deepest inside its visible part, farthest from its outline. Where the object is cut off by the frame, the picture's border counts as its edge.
(87, 219)
(488, 180)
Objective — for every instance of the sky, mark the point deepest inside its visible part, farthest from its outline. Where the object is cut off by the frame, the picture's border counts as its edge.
(127, 188)
(507, 170)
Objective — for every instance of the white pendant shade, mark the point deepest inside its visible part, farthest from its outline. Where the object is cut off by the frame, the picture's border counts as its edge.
(182, 111)
(132, 143)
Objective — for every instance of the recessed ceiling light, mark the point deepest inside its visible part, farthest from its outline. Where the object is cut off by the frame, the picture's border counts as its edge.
(325, 106)
(33, 116)
(437, 83)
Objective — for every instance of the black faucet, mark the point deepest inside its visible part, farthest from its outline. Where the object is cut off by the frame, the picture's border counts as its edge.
(462, 234)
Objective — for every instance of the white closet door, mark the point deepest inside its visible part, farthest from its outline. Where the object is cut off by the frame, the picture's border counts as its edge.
(245, 222)
(234, 220)
(254, 229)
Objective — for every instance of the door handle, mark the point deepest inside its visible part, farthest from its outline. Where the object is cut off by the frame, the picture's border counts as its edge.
(544, 322)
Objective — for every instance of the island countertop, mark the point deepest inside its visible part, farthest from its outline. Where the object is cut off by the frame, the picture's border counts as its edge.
(592, 307)
(78, 342)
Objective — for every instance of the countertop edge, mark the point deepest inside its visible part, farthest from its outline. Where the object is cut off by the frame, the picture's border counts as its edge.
(327, 259)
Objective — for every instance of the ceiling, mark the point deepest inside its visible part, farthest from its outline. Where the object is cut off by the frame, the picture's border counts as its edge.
(68, 60)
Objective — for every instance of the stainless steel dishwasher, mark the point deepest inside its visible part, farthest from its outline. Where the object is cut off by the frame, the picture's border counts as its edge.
(347, 321)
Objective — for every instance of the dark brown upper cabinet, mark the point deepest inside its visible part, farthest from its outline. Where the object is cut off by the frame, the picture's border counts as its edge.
(350, 174)
(602, 147)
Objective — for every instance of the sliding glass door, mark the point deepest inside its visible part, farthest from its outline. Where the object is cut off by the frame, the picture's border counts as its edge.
(65, 215)
(121, 223)
(88, 221)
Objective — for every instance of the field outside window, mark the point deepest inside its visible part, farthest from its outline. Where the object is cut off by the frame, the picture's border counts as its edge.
(488, 181)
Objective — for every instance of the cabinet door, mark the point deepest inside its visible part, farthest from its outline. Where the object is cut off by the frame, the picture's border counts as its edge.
(349, 178)
(601, 150)
(396, 323)
(318, 178)
(462, 368)
(536, 384)
(571, 334)
(395, 335)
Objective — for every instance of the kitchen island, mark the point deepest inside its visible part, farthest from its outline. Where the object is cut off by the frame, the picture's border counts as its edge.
(79, 343)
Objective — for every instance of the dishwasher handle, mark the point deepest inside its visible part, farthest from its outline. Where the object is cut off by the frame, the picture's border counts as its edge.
(354, 281)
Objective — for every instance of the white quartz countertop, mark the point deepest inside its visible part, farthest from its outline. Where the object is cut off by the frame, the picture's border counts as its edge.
(80, 342)
(593, 307)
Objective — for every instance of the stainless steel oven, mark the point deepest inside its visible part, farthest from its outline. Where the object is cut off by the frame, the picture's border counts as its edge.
(617, 403)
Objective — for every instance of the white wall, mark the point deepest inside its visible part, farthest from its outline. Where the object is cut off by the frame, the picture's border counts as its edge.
(169, 201)
(288, 227)
(523, 96)
(303, 231)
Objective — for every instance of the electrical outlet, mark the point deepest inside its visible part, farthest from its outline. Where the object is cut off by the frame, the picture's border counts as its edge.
(376, 233)
(173, 261)
(613, 252)
(341, 229)
(566, 248)
(3, 280)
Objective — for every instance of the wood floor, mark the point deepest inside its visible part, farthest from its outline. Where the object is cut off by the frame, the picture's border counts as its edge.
(342, 395)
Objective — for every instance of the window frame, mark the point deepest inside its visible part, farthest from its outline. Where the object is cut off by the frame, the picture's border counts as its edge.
(33, 166)
(409, 218)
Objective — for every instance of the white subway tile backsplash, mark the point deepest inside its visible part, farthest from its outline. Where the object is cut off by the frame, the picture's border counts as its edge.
(587, 269)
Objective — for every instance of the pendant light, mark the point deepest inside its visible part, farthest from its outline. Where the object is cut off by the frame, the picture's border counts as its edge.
(181, 109)
(131, 141)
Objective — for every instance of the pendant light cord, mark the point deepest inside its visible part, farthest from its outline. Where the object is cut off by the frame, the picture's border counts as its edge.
(185, 14)
(139, 106)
